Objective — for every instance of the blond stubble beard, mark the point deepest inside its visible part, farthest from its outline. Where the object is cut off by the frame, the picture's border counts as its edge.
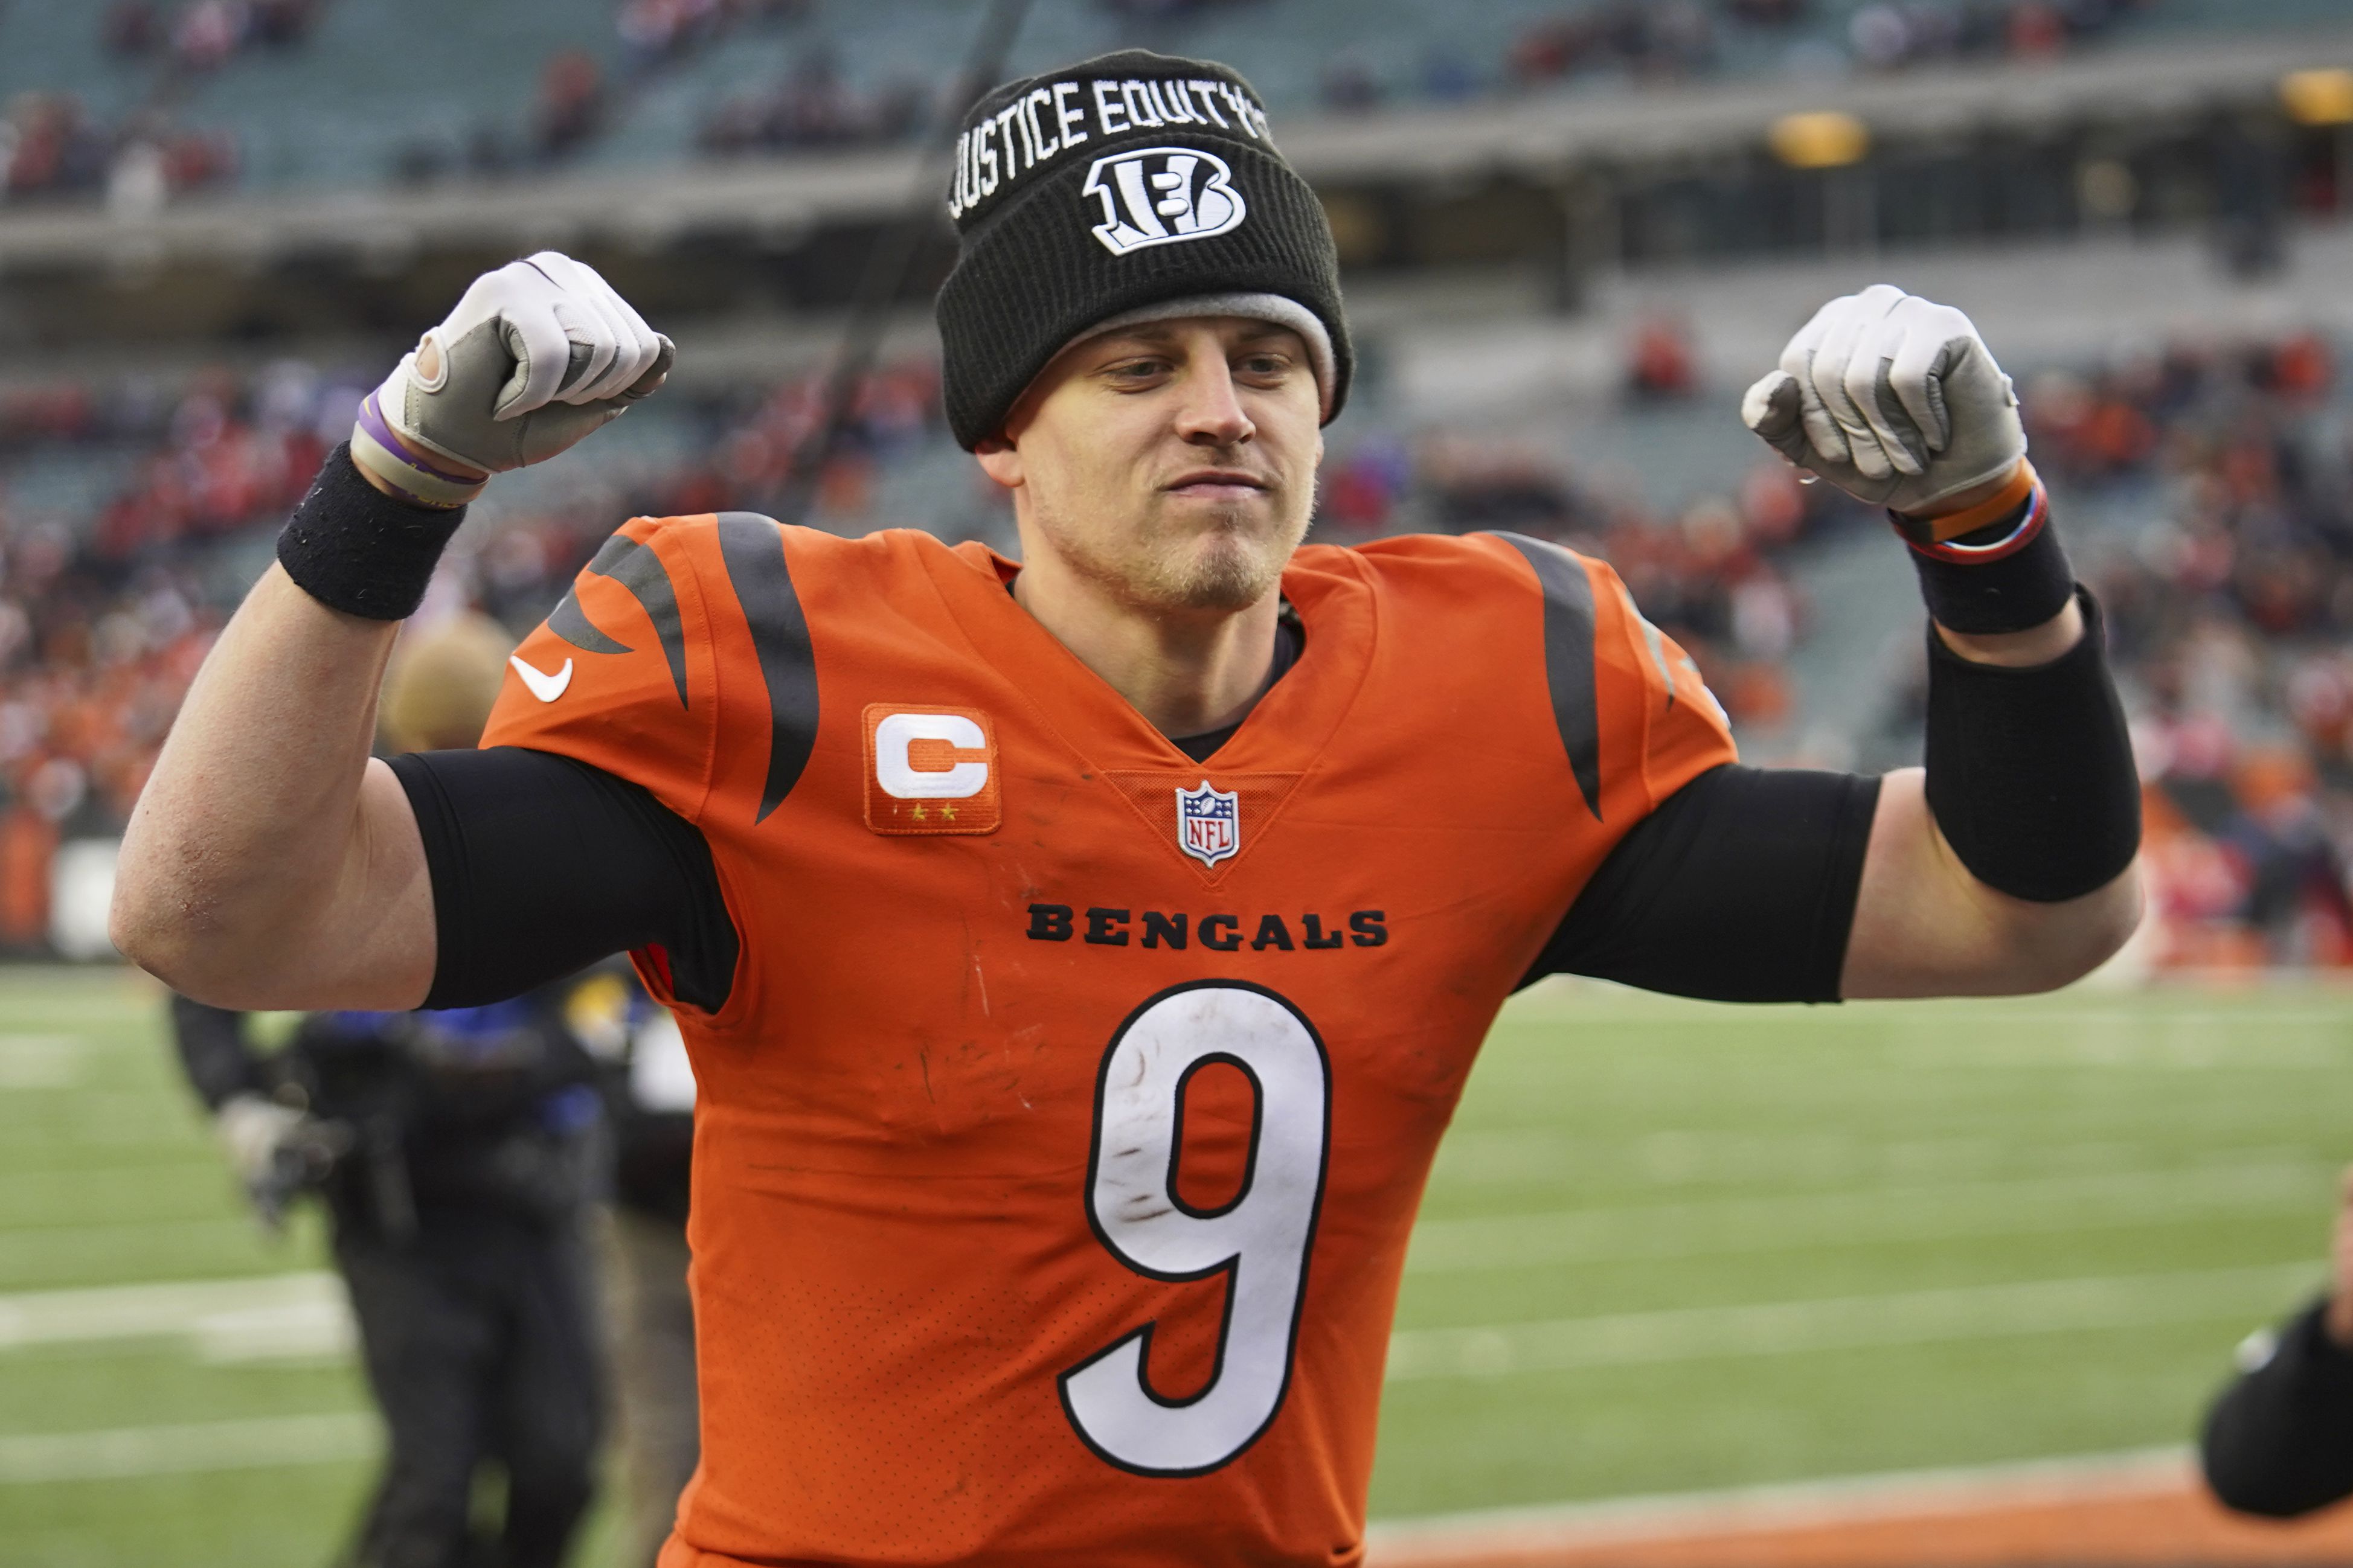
(1225, 568)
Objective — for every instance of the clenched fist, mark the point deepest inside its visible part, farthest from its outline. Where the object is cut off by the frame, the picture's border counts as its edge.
(536, 355)
(1893, 399)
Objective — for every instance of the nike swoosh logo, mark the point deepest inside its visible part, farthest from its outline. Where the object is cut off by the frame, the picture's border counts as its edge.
(546, 687)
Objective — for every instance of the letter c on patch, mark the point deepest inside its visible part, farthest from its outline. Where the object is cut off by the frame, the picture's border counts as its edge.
(907, 771)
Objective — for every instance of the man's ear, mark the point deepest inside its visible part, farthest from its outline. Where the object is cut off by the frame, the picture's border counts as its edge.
(1000, 459)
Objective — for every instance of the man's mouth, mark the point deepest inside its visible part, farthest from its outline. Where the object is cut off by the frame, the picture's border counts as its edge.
(1217, 485)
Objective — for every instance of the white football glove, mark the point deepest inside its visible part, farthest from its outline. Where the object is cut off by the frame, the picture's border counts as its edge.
(252, 1129)
(1893, 399)
(277, 1150)
(536, 355)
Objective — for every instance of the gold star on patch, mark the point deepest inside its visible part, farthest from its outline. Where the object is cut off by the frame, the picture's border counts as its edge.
(947, 814)
(917, 813)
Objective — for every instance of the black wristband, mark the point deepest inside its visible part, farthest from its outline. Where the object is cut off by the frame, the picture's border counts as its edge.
(357, 550)
(1982, 583)
(2031, 773)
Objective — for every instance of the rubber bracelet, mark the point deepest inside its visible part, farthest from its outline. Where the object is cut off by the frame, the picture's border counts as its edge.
(2031, 774)
(1926, 530)
(2009, 576)
(357, 550)
(379, 447)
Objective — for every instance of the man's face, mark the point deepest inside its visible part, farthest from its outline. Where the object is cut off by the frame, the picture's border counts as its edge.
(1172, 465)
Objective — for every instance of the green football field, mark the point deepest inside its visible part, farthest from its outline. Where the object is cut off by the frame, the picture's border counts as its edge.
(1670, 1246)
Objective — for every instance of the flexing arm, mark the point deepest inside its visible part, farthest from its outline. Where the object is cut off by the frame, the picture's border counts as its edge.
(269, 863)
(2008, 865)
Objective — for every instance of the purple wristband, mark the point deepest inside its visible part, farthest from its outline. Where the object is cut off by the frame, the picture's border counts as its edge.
(379, 448)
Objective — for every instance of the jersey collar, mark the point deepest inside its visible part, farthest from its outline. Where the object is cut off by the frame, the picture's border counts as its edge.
(1284, 733)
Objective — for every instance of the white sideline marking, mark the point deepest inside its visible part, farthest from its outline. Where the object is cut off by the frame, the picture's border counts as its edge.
(1446, 1537)
(1916, 1212)
(126, 1452)
(39, 1061)
(1849, 1322)
(276, 1316)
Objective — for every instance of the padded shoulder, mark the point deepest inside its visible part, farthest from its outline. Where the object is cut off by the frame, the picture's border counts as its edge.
(1635, 721)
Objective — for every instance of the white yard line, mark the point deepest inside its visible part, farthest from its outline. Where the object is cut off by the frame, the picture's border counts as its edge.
(40, 1061)
(1850, 1322)
(126, 1452)
(1924, 1212)
(1449, 1537)
(271, 1317)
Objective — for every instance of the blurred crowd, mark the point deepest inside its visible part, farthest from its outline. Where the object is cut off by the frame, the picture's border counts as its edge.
(2207, 492)
(1654, 40)
(811, 106)
(2232, 610)
(52, 144)
(204, 34)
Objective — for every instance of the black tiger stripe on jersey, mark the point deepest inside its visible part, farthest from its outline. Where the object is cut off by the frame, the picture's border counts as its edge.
(1568, 629)
(642, 572)
(754, 548)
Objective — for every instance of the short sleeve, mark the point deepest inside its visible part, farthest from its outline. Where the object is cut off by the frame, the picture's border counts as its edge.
(621, 675)
(1636, 721)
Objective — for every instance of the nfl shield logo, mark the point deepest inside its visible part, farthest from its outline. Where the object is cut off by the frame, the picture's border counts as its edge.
(1209, 824)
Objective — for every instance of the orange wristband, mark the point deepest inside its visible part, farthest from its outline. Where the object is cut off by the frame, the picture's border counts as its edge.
(1985, 514)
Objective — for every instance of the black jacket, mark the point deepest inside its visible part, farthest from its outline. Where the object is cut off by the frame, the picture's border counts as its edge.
(2279, 1441)
(468, 1111)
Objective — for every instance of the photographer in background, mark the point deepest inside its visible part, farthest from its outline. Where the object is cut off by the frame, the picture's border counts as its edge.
(456, 1151)
(2279, 1441)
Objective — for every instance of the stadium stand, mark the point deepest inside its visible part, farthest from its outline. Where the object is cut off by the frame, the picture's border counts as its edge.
(134, 101)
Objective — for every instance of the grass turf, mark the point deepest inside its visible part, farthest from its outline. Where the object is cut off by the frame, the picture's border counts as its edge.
(1852, 1182)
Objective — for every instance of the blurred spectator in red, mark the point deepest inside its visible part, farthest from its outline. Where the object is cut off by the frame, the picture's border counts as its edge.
(1660, 364)
(571, 103)
(2036, 30)
(1362, 489)
(51, 146)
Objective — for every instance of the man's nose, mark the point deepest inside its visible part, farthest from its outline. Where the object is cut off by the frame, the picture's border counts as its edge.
(1211, 415)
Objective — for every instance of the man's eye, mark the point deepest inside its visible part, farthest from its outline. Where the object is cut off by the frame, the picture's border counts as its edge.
(1266, 365)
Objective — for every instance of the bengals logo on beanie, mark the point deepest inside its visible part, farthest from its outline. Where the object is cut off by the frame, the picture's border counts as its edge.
(1162, 195)
(1106, 188)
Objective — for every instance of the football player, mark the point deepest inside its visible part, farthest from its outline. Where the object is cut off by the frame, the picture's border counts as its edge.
(1080, 957)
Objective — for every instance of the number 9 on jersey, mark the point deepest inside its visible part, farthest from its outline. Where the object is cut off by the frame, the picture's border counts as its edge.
(1260, 1238)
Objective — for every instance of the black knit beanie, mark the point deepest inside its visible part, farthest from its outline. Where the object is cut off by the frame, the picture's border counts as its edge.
(1106, 187)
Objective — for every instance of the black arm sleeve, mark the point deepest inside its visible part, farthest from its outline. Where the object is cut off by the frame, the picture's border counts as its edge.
(2030, 770)
(213, 1049)
(542, 865)
(2279, 1442)
(1739, 888)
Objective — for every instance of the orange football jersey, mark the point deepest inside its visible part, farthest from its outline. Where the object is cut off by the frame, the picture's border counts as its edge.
(1057, 1145)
